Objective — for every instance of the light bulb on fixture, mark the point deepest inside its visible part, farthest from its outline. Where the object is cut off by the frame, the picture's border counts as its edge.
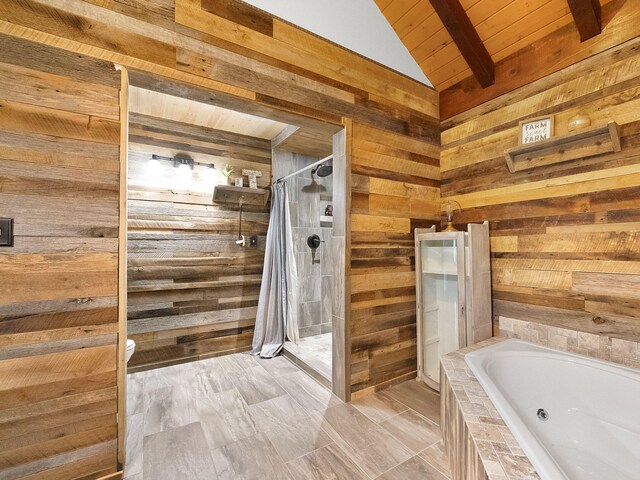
(209, 175)
(154, 166)
(183, 163)
(154, 171)
(184, 172)
(449, 211)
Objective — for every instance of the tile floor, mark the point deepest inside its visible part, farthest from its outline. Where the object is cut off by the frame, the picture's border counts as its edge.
(315, 352)
(239, 417)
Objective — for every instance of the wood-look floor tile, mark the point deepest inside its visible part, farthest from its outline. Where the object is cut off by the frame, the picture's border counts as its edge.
(326, 463)
(289, 427)
(211, 377)
(135, 393)
(419, 397)
(256, 416)
(413, 430)
(134, 444)
(378, 457)
(169, 376)
(346, 423)
(253, 458)
(178, 454)
(379, 406)
(437, 456)
(415, 467)
(278, 366)
(307, 392)
(237, 363)
(167, 407)
(225, 417)
(367, 444)
(256, 385)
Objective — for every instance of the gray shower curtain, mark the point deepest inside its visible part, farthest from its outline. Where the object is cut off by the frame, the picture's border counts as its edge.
(277, 315)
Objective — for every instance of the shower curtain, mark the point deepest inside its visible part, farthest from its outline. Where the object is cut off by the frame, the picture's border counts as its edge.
(277, 315)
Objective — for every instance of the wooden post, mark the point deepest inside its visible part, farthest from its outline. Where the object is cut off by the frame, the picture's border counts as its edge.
(122, 267)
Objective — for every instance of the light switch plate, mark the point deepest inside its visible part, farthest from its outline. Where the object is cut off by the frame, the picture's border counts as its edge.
(253, 241)
(6, 232)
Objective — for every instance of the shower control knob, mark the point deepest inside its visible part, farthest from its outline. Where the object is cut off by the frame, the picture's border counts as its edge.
(313, 241)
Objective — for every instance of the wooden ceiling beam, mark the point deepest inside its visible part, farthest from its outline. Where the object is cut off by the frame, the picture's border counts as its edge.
(557, 50)
(587, 16)
(467, 40)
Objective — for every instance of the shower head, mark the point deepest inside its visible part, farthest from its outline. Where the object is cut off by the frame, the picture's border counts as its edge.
(323, 170)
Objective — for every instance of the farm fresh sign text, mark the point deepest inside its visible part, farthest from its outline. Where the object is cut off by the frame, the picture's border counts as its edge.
(535, 130)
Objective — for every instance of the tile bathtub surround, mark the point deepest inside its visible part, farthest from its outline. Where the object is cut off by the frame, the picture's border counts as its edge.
(479, 443)
(241, 417)
(602, 347)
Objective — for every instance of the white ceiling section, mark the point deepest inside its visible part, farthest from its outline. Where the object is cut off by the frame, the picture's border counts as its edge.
(355, 24)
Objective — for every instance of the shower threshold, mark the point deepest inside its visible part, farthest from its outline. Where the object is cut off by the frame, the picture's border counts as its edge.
(313, 355)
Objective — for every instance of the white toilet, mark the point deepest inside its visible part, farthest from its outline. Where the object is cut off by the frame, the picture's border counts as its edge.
(131, 347)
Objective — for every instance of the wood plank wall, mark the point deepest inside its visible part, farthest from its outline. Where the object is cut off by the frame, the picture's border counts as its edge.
(192, 292)
(59, 177)
(565, 238)
(272, 67)
(395, 189)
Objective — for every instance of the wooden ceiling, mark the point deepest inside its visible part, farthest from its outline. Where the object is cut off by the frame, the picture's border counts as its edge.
(503, 26)
(161, 105)
(310, 138)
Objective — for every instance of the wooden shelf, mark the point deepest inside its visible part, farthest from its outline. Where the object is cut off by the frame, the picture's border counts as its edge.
(440, 272)
(249, 196)
(581, 144)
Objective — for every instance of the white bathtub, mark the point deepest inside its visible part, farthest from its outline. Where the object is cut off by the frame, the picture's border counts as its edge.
(593, 425)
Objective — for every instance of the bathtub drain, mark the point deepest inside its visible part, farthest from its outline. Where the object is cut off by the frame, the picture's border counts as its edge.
(543, 414)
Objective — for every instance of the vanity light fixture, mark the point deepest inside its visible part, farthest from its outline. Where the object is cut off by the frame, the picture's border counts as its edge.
(183, 163)
(179, 161)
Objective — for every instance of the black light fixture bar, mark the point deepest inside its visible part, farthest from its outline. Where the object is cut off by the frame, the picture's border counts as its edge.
(177, 161)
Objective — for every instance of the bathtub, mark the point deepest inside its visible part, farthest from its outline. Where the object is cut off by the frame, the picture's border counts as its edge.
(575, 417)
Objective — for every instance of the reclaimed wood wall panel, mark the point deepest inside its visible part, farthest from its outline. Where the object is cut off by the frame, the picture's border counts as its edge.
(317, 83)
(564, 237)
(59, 163)
(192, 292)
(395, 188)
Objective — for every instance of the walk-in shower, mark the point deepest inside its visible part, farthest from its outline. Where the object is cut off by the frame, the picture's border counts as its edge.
(309, 184)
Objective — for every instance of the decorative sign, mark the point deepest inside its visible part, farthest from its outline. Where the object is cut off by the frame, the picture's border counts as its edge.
(535, 130)
(253, 177)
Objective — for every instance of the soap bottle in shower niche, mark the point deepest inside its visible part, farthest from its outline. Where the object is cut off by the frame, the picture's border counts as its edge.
(329, 211)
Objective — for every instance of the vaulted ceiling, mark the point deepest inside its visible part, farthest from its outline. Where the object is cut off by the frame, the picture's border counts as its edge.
(492, 30)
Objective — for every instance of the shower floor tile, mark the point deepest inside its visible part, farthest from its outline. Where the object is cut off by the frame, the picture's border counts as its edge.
(314, 352)
(291, 427)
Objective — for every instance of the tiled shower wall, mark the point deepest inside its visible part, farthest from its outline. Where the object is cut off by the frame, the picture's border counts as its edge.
(308, 200)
